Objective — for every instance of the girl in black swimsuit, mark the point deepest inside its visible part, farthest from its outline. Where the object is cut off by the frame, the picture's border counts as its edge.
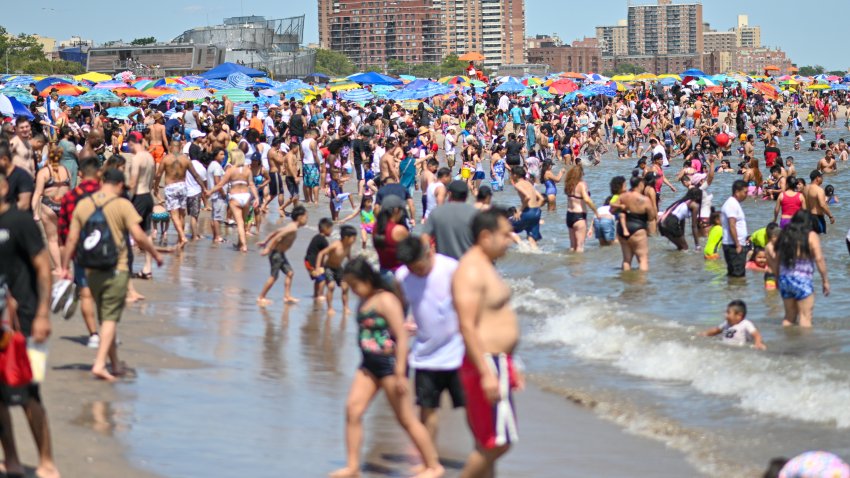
(632, 228)
(382, 339)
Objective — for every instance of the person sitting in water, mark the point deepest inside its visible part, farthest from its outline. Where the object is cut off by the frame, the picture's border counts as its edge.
(737, 329)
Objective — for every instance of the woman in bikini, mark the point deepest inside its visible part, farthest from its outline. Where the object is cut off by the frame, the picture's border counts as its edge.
(51, 183)
(243, 194)
(550, 180)
(383, 342)
(636, 212)
(577, 196)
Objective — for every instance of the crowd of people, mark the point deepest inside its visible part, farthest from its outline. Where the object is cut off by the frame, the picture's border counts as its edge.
(87, 204)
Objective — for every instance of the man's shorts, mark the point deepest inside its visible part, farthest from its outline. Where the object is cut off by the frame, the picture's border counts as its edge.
(333, 275)
(143, 203)
(219, 209)
(292, 186)
(275, 184)
(529, 222)
(175, 196)
(492, 424)
(80, 276)
(279, 263)
(109, 289)
(158, 152)
(193, 205)
(604, 229)
(430, 385)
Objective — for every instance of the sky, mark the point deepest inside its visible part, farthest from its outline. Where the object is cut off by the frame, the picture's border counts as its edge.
(815, 33)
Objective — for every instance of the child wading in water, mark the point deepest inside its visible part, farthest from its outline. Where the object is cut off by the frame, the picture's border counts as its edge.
(318, 243)
(737, 330)
(329, 263)
(275, 246)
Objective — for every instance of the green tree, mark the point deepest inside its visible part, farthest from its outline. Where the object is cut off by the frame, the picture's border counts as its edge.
(333, 63)
(23, 54)
(811, 70)
(398, 67)
(625, 69)
(143, 41)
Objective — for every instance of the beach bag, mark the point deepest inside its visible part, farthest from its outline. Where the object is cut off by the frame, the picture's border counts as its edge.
(96, 248)
(15, 370)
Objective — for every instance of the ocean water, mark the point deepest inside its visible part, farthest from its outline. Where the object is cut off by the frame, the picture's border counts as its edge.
(626, 344)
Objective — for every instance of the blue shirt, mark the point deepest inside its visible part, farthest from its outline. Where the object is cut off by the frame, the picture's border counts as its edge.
(407, 170)
(516, 114)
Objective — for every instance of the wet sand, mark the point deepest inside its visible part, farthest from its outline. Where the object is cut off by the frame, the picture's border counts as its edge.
(222, 384)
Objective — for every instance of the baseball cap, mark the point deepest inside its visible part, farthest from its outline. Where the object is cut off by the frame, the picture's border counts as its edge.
(134, 137)
(195, 134)
(392, 202)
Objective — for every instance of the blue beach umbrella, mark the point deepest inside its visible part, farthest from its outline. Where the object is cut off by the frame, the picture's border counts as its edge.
(240, 80)
(373, 78)
(10, 106)
(693, 72)
(19, 94)
(359, 95)
(510, 86)
(99, 95)
(120, 112)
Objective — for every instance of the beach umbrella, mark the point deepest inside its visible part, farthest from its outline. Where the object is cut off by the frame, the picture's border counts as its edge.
(93, 77)
(693, 72)
(240, 80)
(358, 96)
(511, 86)
(63, 89)
(111, 84)
(839, 88)
(162, 98)
(317, 78)
(767, 89)
(629, 77)
(217, 84)
(100, 95)
(159, 91)
(617, 85)
(428, 90)
(532, 81)
(19, 94)
(381, 91)
(234, 94)
(597, 77)
(130, 92)
(125, 76)
(477, 84)
(293, 85)
(454, 80)
(529, 92)
(342, 86)
(599, 90)
(471, 56)
(667, 81)
(51, 81)
(573, 75)
(818, 86)
(226, 69)
(120, 112)
(645, 77)
(142, 85)
(193, 95)
(10, 106)
(406, 78)
(562, 86)
(670, 75)
(421, 83)
(373, 78)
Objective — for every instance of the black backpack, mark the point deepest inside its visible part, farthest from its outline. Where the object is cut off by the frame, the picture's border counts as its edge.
(96, 248)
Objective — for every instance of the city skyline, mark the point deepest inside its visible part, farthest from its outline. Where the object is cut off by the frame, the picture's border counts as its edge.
(54, 19)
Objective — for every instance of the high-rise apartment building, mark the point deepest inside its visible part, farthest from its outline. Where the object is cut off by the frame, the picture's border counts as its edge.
(665, 29)
(747, 36)
(614, 39)
(371, 32)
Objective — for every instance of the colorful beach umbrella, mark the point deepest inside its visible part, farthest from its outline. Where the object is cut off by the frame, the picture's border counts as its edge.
(358, 96)
(234, 94)
(41, 85)
(63, 89)
(111, 84)
(100, 95)
(645, 77)
(562, 86)
(130, 92)
(159, 91)
(19, 94)
(10, 106)
(93, 77)
(628, 77)
(240, 80)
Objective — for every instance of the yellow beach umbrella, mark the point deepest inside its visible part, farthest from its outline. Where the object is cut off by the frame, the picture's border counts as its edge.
(628, 77)
(670, 75)
(93, 76)
(646, 77)
(819, 86)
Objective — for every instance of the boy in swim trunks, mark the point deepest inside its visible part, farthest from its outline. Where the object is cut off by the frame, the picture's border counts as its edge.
(531, 200)
(490, 333)
(318, 243)
(275, 246)
(329, 263)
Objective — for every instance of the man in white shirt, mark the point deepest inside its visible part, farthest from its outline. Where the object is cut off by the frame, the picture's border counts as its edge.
(504, 103)
(734, 225)
(218, 201)
(657, 148)
(437, 350)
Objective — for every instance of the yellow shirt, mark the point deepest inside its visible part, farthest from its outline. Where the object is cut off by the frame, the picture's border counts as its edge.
(120, 215)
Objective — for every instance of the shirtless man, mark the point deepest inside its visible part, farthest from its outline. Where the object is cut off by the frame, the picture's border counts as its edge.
(490, 333)
(749, 147)
(390, 162)
(276, 167)
(175, 165)
(329, 263)
(532, 200)
(228, 113)
(291, 176)
(827, 163)
(275, 246)
(158, 139)
(141, 171)
(20, 147)
(218, 138)
(817, 203)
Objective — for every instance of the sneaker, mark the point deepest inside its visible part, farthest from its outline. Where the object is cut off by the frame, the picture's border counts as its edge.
(63, 289)
(70, 307)
(94, 341)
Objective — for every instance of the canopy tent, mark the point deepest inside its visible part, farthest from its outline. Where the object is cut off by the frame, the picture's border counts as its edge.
(224, 70)
(373, 78)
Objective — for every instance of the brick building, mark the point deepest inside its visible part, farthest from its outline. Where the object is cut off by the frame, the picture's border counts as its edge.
(582, 56)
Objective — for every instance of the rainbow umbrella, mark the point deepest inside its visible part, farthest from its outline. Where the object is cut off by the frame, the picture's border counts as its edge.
(111, 84)
(159, 91)
(130, 92)
(63, 89)
(532, 81)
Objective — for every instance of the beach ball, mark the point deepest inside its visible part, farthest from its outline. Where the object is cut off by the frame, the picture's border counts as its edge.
(722, 140)
(743, 137)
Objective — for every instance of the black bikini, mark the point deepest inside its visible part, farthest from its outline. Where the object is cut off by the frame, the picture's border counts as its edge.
(635, 222)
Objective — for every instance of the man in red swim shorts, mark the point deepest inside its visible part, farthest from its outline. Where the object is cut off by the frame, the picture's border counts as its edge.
(490, 333)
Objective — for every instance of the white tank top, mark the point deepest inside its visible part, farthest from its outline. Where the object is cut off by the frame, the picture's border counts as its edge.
(431, 197)
(307, 152)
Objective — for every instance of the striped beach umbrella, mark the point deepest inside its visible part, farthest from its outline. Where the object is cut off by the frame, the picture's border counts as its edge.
(234, 94)
(240, 80)
(192, 95)
(18, 93)
(10, 106)
(358, 96)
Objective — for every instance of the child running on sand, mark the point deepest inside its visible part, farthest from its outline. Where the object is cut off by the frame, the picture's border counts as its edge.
(317, 245)
(275, 246)
(367, 219)
(737, 330)
(330, 262)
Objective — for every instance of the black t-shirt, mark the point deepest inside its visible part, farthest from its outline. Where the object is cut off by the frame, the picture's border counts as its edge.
(20, 241)
(296, 125)
(392, 189)
(514, 150)
(318, 243)
(359, 146)
(20, 182)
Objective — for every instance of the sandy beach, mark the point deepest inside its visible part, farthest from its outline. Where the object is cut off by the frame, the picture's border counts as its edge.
(222, 383)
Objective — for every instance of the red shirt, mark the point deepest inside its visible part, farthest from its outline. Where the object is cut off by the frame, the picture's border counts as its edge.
(69, 202)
